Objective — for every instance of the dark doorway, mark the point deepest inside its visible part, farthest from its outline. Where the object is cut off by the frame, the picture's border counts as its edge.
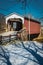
(15, 24)
(19, 26)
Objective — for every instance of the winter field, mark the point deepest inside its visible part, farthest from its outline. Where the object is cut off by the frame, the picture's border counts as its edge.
(22, 53)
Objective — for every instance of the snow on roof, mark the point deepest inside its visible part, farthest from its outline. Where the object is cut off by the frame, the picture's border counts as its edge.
(14, 15)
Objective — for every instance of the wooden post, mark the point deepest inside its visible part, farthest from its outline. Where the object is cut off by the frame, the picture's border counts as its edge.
(0, 39)
(9, 38)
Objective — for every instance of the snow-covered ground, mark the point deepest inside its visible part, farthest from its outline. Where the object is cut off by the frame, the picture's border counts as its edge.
(22, 53)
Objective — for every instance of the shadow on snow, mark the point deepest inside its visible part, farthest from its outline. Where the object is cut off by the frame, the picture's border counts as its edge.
(4, 56)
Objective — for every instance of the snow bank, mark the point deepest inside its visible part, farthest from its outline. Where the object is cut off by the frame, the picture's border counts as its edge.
(22, 53)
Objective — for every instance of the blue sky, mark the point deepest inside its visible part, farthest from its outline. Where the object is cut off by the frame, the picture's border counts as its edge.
(23, 7)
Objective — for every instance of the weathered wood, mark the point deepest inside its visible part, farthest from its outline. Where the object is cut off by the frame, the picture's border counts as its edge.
(23, 34)
(0, 39)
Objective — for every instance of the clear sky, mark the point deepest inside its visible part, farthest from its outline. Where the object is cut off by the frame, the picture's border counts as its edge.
(23, 7)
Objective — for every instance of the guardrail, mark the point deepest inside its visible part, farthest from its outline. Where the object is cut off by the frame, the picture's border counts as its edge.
(4, 39)
(21, 35)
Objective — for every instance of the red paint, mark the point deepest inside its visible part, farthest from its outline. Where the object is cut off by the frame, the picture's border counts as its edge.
(34, 26)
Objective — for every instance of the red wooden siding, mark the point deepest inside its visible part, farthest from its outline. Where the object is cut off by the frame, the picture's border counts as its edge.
(34, 26)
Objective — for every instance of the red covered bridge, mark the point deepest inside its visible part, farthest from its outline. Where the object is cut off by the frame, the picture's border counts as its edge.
(32, 27)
